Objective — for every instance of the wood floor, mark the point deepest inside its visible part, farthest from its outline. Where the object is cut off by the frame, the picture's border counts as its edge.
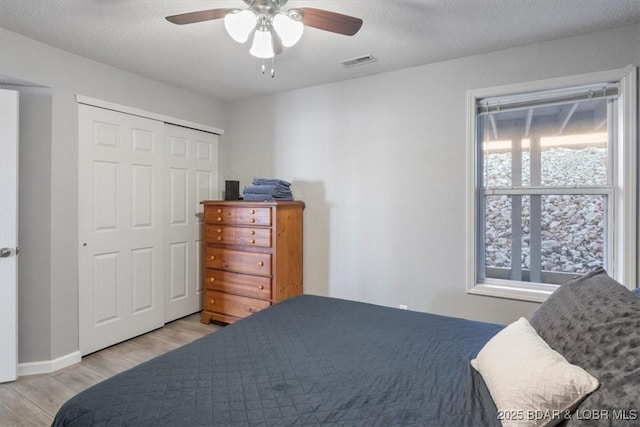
(34, 400)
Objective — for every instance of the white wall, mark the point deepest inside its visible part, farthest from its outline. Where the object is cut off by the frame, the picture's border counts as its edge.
(67, 75)
(380, 162)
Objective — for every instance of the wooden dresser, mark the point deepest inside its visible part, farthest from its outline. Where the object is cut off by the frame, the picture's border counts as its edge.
(252, 256)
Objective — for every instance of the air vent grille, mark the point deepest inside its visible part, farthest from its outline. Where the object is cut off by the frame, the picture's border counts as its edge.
(360, 60)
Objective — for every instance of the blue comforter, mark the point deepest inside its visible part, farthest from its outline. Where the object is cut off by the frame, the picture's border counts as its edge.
(307, 361)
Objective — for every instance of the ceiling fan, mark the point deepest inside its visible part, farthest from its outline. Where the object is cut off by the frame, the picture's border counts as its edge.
(270, 27)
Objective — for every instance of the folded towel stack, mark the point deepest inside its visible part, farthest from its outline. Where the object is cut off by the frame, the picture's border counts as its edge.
(267, 189)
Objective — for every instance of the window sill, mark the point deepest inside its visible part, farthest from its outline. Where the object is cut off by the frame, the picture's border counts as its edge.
(508, 289)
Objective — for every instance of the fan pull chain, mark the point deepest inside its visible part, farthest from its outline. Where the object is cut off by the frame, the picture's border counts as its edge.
(273, 68)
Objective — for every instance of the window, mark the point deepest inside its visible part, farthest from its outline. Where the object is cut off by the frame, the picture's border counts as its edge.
(552, 183)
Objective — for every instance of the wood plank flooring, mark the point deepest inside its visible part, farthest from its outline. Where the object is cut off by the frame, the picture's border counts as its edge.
(34, 400)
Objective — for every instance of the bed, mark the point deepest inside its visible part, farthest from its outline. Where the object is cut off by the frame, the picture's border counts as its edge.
(306, 361)
(317, 361)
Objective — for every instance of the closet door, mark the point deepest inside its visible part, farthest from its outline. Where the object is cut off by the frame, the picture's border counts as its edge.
(121, 272)
(191, 176)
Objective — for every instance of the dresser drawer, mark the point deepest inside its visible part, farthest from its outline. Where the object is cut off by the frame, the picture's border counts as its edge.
(238, 261)
(219, 215)
(233, 305)
(254, 237)
(253, 216)
(219, 234)
(238, 236)
(239, 284)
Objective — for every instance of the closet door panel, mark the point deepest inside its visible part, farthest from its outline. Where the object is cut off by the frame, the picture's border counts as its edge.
(121, 291)
(192, 176)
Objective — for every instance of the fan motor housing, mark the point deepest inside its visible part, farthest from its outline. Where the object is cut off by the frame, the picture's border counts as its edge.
(266, 4)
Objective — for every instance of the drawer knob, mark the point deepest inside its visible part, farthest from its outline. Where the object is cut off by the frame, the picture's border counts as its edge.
(260, 287)
(219, 219)
(252, 241)
(252, 220)
(260, 263)
(253, 211)
(219, 211)
(219, 230)
(212, 279)
(252, 232)
(253, 310)
(213, 301)
(219, 238)
(212, 258)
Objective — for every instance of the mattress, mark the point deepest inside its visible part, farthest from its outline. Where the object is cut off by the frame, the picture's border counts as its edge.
(307, 361)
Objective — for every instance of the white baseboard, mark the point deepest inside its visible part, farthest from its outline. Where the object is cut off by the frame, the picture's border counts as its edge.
(48, 366)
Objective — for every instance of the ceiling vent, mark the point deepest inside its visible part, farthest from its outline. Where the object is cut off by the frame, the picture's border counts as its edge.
(360, 60)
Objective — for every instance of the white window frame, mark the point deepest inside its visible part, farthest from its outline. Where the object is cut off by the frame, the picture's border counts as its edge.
(624, 237)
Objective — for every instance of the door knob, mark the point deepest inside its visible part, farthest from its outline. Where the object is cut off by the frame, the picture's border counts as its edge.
(5, 253)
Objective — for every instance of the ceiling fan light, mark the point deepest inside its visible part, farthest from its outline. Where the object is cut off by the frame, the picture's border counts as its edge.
(240, 24)
(262, 46)
(289, 30)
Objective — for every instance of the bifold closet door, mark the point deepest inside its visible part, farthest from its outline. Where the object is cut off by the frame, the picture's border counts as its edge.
(121, 215)
(191, 176)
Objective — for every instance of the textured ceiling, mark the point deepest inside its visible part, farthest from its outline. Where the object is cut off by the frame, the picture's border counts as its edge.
(133, 35)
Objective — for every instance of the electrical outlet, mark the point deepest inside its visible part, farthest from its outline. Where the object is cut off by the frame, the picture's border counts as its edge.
(404, 307)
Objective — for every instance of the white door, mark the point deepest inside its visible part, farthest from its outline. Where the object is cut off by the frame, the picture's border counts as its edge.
(191, 176)
(121, 272)
(8, 235)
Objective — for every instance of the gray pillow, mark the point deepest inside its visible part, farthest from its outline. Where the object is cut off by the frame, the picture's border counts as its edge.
(594, 322)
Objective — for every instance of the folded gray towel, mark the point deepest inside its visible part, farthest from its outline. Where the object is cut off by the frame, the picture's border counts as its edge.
(270, 181)
(265, 198)
(260, 189)
(271, 190)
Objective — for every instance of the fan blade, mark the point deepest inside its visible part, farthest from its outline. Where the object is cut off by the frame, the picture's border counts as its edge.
(330, 21)
(201, 15)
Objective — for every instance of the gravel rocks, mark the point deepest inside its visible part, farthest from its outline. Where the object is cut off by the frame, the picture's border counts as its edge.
(572, 226)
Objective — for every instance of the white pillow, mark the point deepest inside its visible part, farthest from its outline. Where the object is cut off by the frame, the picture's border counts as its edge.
(530, 383)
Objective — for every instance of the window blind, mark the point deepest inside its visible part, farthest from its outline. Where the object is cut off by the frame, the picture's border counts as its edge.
(547, 98)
